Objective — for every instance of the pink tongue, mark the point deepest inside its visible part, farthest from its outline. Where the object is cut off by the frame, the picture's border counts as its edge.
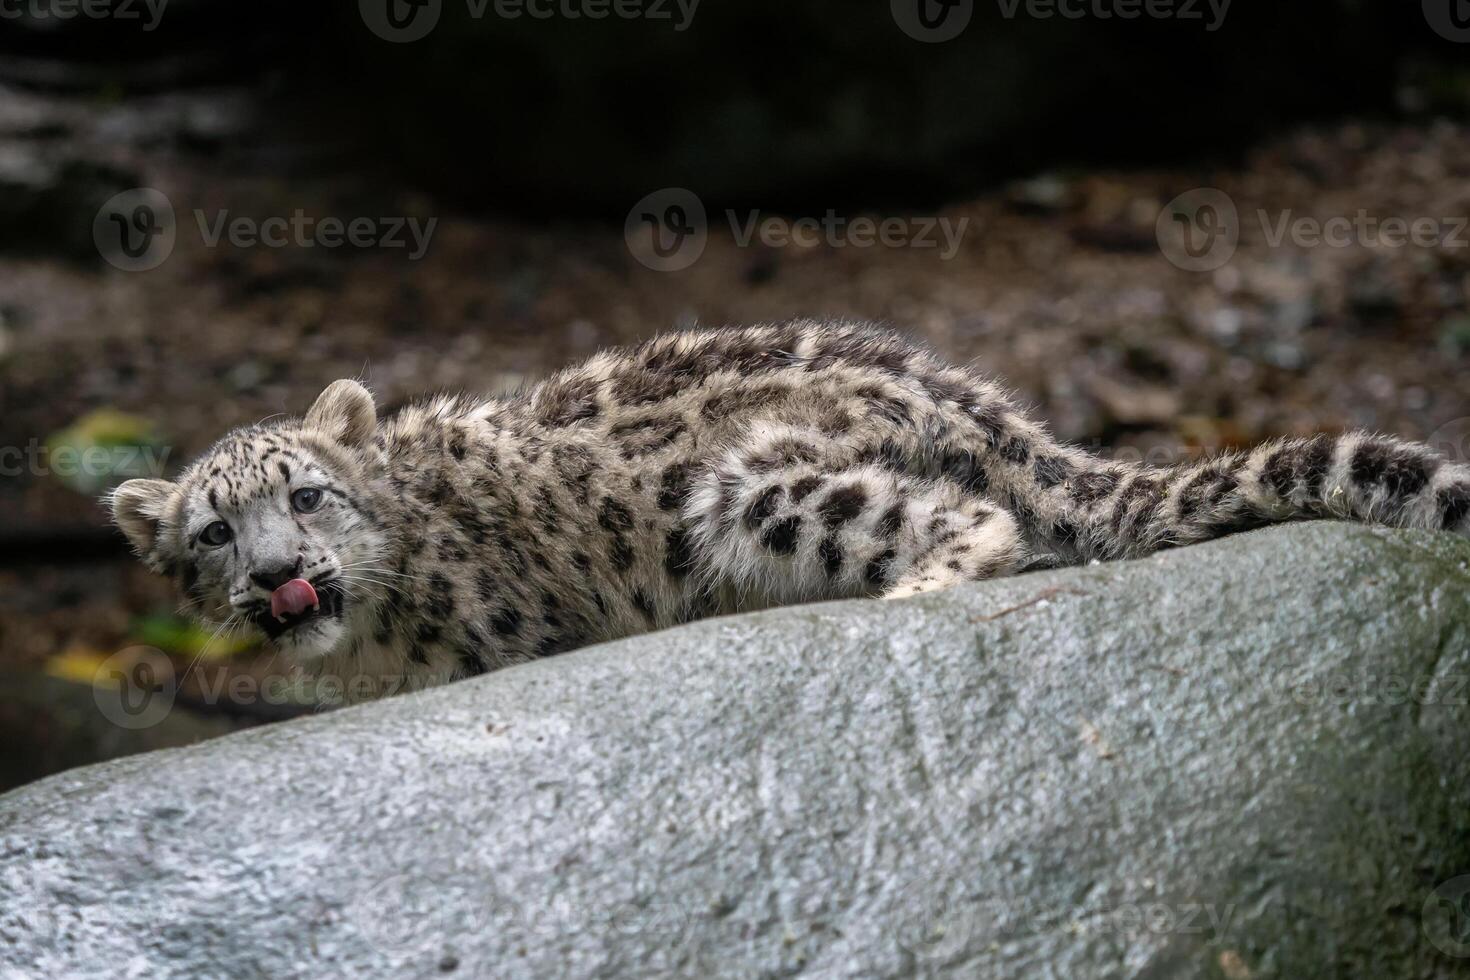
(293, 598)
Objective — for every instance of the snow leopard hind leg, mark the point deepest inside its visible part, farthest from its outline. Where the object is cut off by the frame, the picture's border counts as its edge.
(799, 527)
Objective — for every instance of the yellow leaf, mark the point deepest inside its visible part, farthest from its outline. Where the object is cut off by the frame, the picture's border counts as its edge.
(78, 664)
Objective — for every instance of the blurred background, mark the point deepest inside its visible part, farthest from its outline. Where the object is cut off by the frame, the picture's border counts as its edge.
(1172, 226)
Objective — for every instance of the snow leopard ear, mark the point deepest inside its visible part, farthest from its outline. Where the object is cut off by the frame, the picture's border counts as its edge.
(139, 507)
(345, 411)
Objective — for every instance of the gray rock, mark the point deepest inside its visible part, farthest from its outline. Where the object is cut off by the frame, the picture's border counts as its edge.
(1247, 759)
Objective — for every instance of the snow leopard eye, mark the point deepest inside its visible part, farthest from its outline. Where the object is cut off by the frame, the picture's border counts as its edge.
(306, 500)
(215, 534)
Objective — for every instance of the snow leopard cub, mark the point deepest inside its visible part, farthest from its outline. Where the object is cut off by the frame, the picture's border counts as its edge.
(700, 472)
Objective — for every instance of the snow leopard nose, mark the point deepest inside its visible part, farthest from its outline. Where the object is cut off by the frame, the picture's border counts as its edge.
(273, 579)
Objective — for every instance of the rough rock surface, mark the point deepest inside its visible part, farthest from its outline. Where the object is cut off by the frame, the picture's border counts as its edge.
(1246, 759)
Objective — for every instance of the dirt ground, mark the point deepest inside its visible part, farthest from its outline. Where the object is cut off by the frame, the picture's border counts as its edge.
(1059, 287)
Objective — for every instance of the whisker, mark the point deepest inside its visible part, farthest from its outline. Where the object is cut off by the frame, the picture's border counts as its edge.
(234, 620)
(372, 566)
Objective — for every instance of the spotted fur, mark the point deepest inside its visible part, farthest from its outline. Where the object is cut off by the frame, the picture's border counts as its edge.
(700, 472)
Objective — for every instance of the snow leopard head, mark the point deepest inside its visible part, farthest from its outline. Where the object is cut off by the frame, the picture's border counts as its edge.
(272, 526)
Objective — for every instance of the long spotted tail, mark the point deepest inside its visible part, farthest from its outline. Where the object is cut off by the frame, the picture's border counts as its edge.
(1106, 510)
(1075, 506)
